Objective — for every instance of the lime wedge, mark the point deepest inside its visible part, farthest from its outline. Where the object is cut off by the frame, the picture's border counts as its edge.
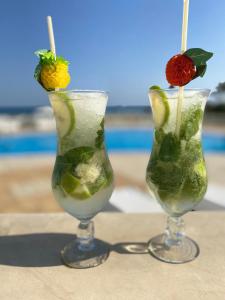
(73, 187)
(160, 106)
(69, 182)
(65, 115)
(81, 192)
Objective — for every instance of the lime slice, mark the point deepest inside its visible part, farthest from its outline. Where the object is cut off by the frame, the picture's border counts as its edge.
(69, 182)
(160, 106)
(64, 114)
(81, 192)
(73, 187)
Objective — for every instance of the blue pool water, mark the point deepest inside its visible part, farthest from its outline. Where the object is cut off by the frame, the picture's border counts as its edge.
(116, 140)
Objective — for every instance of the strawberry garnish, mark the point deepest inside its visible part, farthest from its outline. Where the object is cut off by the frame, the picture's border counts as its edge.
(182, 68)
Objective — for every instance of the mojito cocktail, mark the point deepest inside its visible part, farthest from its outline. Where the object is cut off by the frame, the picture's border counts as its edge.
(82, 179)
(176, 173)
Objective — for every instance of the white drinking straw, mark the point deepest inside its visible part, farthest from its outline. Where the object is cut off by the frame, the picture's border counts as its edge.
(51, 35)
(183, 49)
(51, 38)
(185, 26)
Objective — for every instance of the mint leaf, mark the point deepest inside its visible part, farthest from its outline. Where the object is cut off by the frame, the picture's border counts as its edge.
(193, 165)
(195, 184)
(59, 169)
(198, 55)
(167, 176)
(69, 161)
(192, 153)
(170, 148)
(100, 136)
(78, 155)
(191, 122)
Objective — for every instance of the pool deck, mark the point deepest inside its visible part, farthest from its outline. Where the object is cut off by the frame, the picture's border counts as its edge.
(25, 184)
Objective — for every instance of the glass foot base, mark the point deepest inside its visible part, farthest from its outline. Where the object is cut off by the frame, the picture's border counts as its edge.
(76, 256)
(184, 251)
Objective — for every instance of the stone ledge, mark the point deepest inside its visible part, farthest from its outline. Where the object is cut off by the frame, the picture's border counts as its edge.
(31, 267)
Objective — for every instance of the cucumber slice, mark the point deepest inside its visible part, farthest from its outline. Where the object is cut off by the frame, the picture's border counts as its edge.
(65, 115)
(160, 106)
(73, 187)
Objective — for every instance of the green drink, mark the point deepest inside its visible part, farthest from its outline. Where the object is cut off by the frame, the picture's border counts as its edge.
(82, 179)
(176, 172)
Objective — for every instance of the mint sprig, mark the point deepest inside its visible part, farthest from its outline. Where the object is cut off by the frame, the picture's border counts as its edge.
(199, 58)
(78, 155)
(191, 122)
(170, 148)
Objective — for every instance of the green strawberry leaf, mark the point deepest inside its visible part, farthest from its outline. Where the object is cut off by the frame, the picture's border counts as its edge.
(198, 55)
(200, 71)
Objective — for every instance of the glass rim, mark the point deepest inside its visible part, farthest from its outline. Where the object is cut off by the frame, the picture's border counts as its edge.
(79, 91)
(185, 89)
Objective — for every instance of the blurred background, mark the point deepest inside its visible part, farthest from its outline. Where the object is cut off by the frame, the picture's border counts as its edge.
(119, 46)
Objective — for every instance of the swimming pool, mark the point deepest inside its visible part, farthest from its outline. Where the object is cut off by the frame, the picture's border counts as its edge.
(117, 140)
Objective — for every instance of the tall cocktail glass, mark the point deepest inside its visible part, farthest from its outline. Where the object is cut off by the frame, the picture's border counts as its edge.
(82, 180)
(176, 173)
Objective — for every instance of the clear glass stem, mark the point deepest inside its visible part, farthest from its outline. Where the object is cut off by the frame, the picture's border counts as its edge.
(173, 246)
(85, 235)
(85, 251)
(174, 231)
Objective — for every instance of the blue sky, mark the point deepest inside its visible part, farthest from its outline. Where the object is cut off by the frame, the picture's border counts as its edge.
(119, 46)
